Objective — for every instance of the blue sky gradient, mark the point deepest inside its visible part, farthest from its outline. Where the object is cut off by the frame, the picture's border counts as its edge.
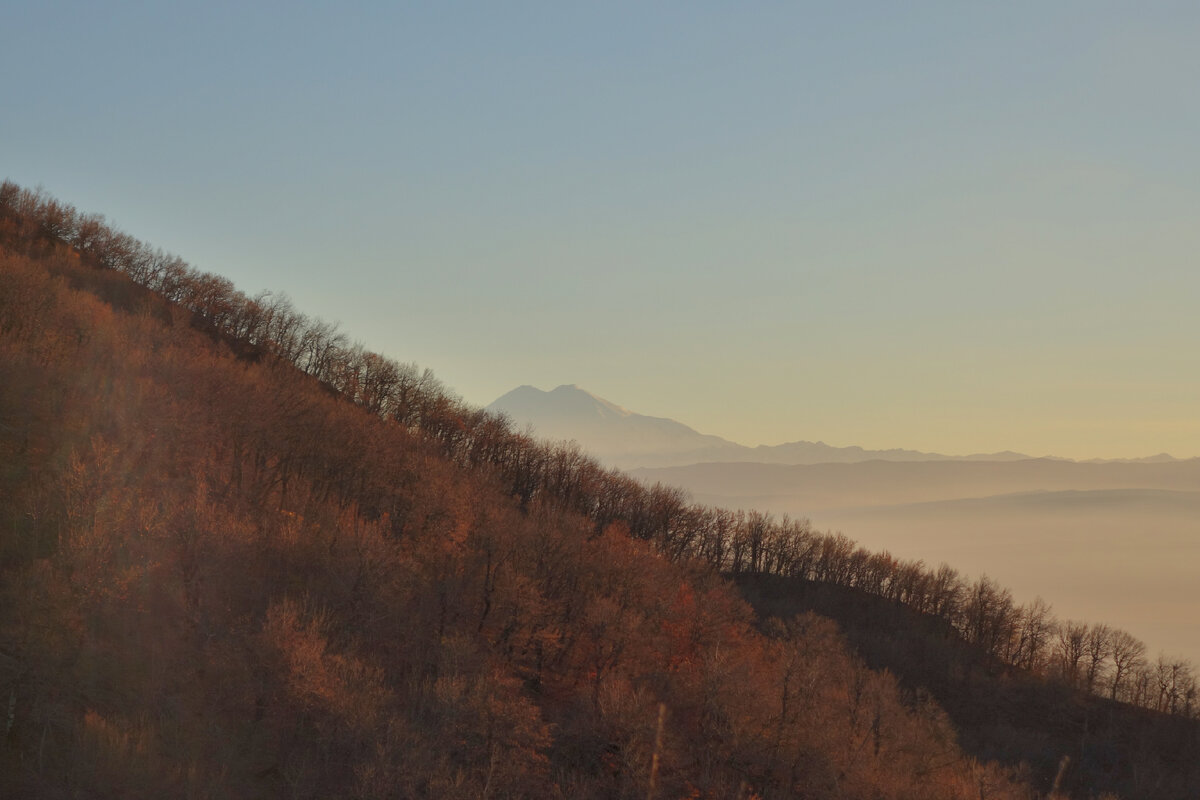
(955, 227)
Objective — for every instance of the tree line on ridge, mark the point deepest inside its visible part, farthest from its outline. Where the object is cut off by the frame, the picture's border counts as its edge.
(1094, 657)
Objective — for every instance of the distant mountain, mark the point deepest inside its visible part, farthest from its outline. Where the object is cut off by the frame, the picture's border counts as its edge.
(625, 439)
(821, 453)
(1161, 458)
(613, 434)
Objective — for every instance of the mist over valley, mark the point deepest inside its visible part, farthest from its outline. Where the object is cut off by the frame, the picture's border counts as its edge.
(1115, 540)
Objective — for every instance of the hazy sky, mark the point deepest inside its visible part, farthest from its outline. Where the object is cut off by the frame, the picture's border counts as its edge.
(964, 227)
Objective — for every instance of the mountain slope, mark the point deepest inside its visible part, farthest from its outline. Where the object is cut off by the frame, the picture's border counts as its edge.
(240, 557)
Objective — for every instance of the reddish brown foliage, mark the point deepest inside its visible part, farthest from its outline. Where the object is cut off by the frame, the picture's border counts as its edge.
(242, 558)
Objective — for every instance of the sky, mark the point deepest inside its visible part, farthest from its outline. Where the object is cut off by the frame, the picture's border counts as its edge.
(955, 227)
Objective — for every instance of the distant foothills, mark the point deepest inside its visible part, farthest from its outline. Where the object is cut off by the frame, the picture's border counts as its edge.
(628, 440)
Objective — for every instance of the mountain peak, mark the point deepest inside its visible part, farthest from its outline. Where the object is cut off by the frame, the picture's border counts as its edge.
(608, 431)
(568, 401)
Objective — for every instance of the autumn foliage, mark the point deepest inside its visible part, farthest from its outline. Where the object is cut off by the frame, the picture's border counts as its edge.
(241, 556)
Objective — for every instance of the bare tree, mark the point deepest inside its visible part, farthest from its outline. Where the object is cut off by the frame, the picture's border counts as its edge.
(1128, 654)
(1072, 645)
(989, 616)
(1035, 628)
(1098, 648)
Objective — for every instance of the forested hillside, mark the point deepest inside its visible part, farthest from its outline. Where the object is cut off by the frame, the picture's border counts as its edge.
(242, 557)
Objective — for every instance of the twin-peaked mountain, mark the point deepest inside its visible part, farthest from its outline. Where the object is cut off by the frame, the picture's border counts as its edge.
(629, 440)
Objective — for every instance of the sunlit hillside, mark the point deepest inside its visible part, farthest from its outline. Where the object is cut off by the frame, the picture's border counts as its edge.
(243, 557)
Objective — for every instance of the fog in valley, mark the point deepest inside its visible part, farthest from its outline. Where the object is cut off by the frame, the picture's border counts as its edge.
(1113, 542)
(1126, 557)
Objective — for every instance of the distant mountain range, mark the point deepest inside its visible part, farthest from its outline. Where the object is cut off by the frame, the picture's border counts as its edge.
(825, 490)
(626, 439)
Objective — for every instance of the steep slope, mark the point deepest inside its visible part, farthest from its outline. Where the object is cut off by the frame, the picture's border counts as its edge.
(240, 558)
(1081, 740)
